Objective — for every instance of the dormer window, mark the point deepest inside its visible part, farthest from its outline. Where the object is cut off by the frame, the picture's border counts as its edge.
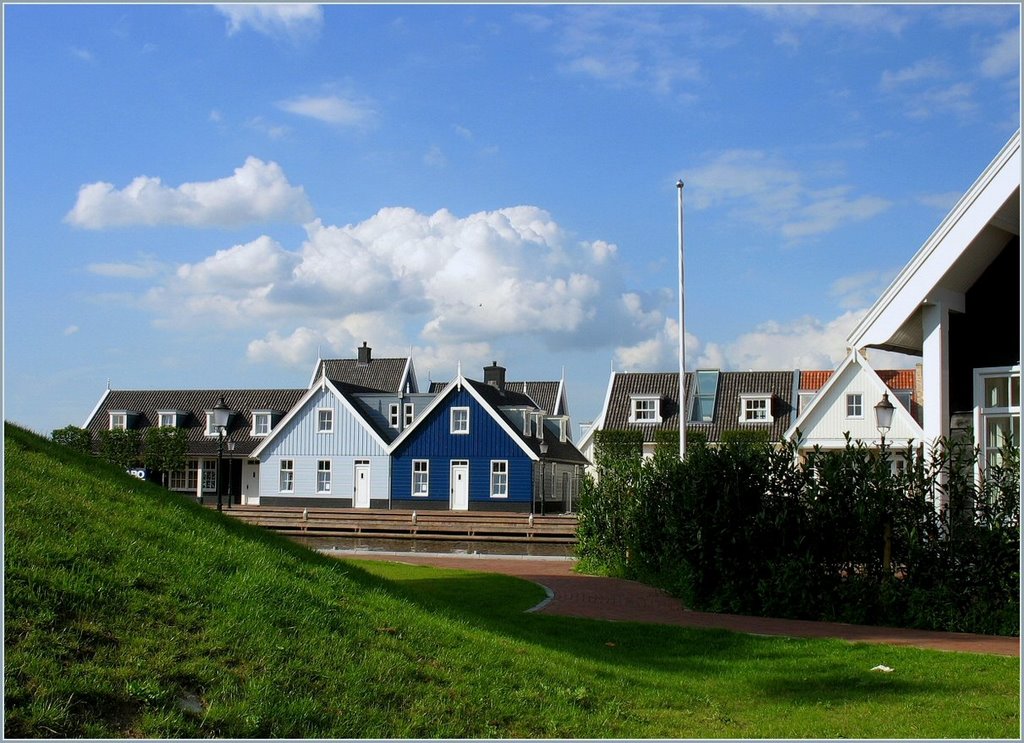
(703, 410)
(119, 420)
(409, 413)
(172, 418)
(393, 413)
(645, 409)
(756, 409)
(262, 422)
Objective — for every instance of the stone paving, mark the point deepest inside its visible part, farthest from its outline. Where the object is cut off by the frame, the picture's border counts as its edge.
(594, 597)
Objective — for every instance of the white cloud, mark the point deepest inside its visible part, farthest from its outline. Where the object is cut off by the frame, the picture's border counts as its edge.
(957, 98)
(856, 17)
(860, 290)
(257, 192)
(83, 54)
(331, 109)
(925, 69)
(769, 192)
(440, 281)
(71, 330)
(628, 48)
(659, 352)
(942, 201)
(434, 157)
(293, 21)
(1002, 57)
(806, 343)
(144, 268)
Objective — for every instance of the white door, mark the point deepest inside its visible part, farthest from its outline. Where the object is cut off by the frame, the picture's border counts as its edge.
(362, 485)
(251, 482)
(460, 486)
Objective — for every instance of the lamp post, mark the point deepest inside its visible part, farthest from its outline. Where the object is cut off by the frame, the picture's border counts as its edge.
(883, 417)
(231, 467)
(883, 421)
(221, 415)
(543, 451)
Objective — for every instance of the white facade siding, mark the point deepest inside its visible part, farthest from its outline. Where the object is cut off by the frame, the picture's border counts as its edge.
(827, 422)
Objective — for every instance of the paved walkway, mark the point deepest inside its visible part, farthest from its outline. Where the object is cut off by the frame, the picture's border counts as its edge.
(615, 599)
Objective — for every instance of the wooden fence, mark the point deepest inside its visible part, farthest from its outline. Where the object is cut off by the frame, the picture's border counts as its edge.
(384, 524)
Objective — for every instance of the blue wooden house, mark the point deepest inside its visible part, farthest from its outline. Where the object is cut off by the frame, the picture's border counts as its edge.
(480, 446)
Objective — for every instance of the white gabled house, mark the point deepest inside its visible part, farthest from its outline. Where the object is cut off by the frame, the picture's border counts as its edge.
(844, 405)
(326, 452)
(957, 305)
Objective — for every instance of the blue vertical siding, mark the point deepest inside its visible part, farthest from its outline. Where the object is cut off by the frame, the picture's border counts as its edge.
(486, 441)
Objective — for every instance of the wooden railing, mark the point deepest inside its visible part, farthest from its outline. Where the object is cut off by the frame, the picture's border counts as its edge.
(469, 525)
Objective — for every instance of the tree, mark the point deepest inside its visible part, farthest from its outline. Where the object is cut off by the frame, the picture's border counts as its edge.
(121, 447)
(73, 437)
(166, 447)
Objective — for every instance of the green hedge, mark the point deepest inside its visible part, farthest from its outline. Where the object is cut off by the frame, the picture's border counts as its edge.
(745, 527)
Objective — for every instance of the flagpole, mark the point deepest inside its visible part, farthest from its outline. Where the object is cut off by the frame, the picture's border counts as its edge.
(682, 333)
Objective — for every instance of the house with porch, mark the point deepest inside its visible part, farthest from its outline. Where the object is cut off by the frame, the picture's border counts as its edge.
(957, 306)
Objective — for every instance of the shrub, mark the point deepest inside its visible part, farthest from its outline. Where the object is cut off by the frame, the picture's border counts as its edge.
(73, 437)
(747, 527)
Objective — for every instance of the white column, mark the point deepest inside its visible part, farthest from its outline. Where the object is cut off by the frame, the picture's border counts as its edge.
(935, 382)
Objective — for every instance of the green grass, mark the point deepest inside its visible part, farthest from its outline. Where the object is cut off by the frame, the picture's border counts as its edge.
(130, 611)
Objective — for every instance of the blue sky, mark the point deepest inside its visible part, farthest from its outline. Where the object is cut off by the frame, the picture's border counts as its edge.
(204, 196)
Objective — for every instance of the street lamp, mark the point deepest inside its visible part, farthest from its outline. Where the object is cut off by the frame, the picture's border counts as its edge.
(883, 417)
(543, 451)
(221, 415)
(883, 421)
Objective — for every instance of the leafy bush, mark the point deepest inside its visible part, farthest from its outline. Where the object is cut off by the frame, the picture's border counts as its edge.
(122, 447)
(73, 437)
(748, 527)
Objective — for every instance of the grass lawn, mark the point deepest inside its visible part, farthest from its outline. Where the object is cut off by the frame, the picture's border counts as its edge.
(130, 611)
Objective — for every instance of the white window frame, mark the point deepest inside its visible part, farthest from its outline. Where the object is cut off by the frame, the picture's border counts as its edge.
(408, 414)
(209, 475)
(645, 409)
(855, 400)
(288, 470)
(394, 415)
(325, 424)
(747, 407)
(323, 476)
(424, 473)
(499, 476)
(455, 415)
(172, 415)
(983, 413)
(211, 430)
(118, 420)
(261, 415)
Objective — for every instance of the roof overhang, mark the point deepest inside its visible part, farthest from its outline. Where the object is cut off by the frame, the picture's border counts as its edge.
(951, 260)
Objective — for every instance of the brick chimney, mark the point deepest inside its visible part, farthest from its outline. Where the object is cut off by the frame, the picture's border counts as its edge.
(364, 355)
(494, 375)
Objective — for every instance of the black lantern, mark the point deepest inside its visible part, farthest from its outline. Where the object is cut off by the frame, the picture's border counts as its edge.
(883, 416)
(221, 414)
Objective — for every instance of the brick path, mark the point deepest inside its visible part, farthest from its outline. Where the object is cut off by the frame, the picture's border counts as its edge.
(615, 599)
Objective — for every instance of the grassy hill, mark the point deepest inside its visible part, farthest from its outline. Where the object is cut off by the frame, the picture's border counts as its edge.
(130, 611)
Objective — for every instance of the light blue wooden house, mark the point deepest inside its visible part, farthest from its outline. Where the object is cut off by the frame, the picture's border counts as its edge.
(328, 451)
